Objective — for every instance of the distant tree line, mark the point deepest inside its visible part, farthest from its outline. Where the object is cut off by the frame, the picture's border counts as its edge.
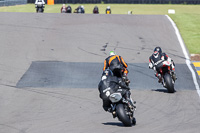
(125, 1)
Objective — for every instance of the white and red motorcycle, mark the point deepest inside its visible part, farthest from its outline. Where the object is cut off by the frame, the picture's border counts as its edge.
(164, 68)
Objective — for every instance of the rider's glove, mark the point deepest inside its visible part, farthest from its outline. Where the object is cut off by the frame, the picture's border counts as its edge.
(150, 65)
(154, 68)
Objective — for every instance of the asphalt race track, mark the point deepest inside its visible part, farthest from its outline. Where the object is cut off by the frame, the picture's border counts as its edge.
(50, 66)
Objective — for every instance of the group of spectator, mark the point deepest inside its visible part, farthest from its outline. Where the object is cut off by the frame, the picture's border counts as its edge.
(80, 9)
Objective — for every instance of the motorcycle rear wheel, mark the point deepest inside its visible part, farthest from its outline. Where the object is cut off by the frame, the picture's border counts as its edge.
(40, 10)
(121, 114)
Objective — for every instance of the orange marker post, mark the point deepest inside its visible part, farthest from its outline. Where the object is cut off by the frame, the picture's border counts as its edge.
(50, 2)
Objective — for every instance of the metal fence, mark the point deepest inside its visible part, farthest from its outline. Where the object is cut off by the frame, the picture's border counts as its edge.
(12, 2)
(125, 1)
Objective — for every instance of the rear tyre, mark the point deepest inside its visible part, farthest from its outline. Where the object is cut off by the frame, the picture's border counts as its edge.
(40, 10)
(168, 82)
(123, 117)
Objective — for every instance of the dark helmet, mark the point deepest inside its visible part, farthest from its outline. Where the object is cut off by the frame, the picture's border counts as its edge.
(107, 72)
(158, 49)
(157, 52)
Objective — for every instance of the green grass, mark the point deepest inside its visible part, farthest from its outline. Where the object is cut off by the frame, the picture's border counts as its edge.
(187, 17)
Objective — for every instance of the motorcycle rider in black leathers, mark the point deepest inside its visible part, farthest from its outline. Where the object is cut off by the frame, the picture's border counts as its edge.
(96, 10)
(69, 9)
(80, 9)
(113, 83)
(157, 56)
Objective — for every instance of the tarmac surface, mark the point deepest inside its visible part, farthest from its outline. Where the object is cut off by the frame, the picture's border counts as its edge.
(51, 66)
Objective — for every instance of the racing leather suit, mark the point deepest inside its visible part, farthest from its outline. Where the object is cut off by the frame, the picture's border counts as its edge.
(108, 11)
(116, 62)
(63, 9)
(113, 83)
(162, 56)
(37, 2)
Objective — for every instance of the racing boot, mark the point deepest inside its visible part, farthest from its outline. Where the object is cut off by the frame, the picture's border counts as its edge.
(174, 76)
(112, 112)
(158, 75)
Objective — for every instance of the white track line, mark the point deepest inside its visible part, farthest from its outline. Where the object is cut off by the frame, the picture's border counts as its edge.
(186, 54)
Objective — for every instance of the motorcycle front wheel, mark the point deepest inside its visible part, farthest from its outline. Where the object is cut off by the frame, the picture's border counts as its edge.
(168, 82)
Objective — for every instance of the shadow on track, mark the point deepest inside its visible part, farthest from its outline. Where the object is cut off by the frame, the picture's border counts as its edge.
(162, 90)
(114, 124)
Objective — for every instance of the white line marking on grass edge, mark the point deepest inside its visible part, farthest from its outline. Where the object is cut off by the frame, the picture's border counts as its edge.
(188, 62)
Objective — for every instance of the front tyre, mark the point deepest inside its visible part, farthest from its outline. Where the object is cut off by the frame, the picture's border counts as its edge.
(168, 83)
(123, 117)
(134, 121)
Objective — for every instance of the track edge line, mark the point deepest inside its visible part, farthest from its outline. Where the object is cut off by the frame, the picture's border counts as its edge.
(187, 60)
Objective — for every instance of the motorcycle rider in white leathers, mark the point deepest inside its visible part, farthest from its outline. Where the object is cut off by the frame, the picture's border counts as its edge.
(157, 56)
(39, 2)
